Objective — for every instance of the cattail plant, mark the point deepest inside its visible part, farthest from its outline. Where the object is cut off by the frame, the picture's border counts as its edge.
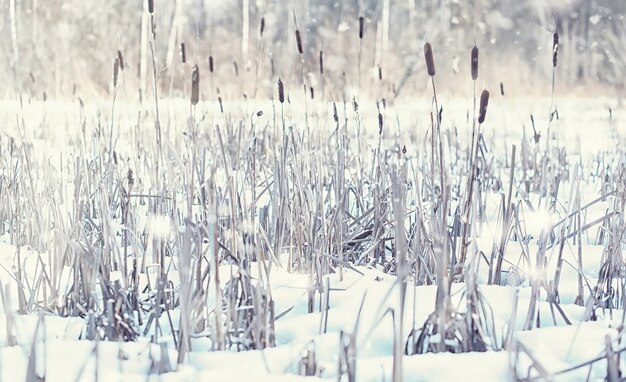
(430, 61)
(474, 63)
(195, 85)
(472, 170)
(555, 49)
(151, 6)
(121, 59)
(482, 110)
(361, 30)
(262, 27)
(211, 64)
(183, 54)
(361, 26)
(321, 62)
(116, 71)
(299, 41)
(281, 91)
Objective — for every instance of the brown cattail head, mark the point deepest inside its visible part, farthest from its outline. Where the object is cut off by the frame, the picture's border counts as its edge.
(195, 85)
(502, 89)
(380, 123)
(116, 70)
(281, 91)
(121, 59)
(312, 90)
(262, 27)
(555, 49)
(430, 61)
(131, 178)
(211, 64)
(474, 63)
(380, 73)
(151, 6)
(321, 62)
(335, 114)
(361, 26)
(183, 54)
(484, 102)
(299, 41)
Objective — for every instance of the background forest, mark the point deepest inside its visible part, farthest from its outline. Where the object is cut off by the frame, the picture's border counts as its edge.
(67, 47)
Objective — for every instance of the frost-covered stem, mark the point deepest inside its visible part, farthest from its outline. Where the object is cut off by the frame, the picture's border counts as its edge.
(399, 210)
(143, 62)
(245, 32)
(14, 36)
(470, 184)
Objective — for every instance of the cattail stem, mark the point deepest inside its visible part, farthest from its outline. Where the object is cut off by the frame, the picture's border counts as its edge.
(361, 31)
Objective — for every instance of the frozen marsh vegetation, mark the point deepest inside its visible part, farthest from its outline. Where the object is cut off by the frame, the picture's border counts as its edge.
(299, 208)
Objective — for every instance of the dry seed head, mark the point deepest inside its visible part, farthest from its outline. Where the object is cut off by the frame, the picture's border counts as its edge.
(312, 90)
(380, 123)
(262, 27)
(130, 177)
(335, 114)
(502, 89)
(281, 91)
(380, 73)
(195, 85)
(474, 63)
(361, 26)
(116, 70)
(121, 59)
(430, 61)
(484, 102)
(555, 49)
(183, 54)
(321, 62)
(211, 64)
(299, 41)
(151, 6)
